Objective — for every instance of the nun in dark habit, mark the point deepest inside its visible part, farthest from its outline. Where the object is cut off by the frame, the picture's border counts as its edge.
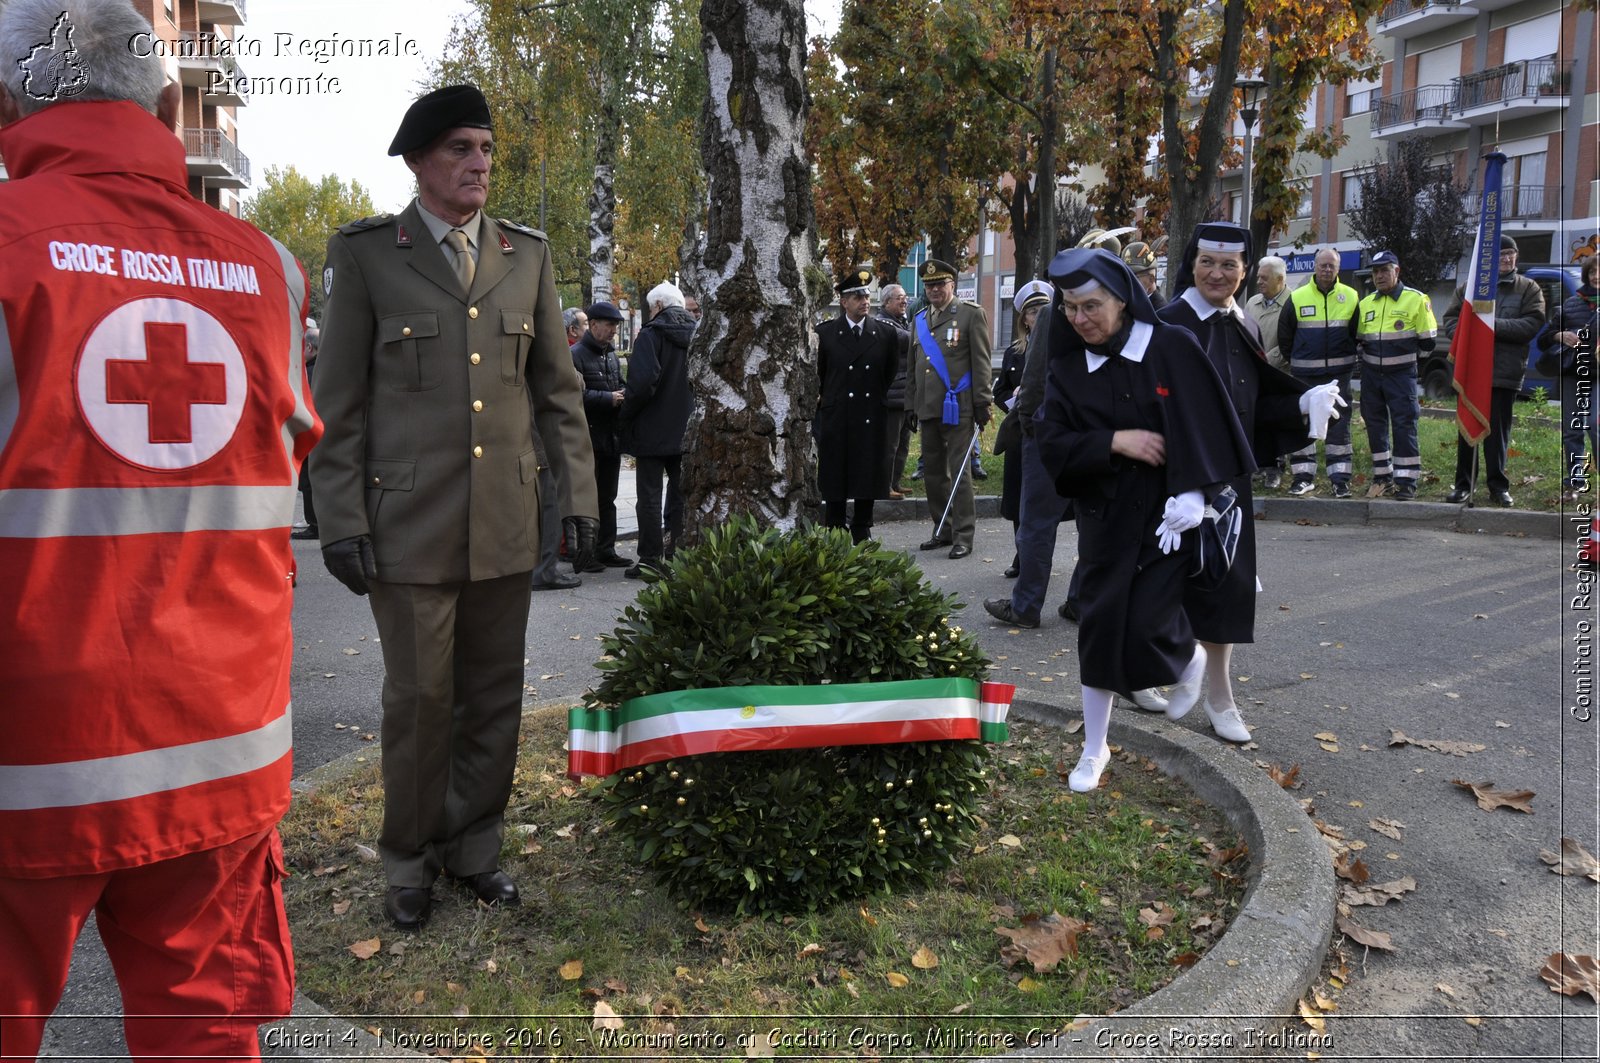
(1137, 429)
(1277, 413)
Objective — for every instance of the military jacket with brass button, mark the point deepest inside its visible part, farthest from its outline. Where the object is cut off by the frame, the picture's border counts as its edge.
(427, 393)
(962, 331)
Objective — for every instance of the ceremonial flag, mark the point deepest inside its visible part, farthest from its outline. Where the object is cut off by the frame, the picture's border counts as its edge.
(1472, 347)
(742, 719)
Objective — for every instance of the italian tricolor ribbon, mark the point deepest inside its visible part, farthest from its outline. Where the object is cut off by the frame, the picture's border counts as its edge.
(743, 719)
(1472, 346)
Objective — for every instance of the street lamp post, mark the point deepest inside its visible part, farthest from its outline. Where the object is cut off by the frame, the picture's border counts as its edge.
(1250, 90)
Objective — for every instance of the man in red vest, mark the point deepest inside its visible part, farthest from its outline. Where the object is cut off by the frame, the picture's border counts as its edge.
(153, 418)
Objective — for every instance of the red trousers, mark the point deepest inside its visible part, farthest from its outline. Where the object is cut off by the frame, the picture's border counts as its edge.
(200, 945)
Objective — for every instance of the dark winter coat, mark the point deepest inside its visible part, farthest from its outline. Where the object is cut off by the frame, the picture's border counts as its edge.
(597, 363)
(855, 427)
(1519, 314)
(1267, 401)
(657, 404)
(1005, 382)
(1579, 312)
(897, 389)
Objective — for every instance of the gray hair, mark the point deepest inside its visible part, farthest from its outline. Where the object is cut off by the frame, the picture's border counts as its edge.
(1273, 266)
(664, 295)
(570, 315)
(102, 63)
(1327, 251)
(889, 291)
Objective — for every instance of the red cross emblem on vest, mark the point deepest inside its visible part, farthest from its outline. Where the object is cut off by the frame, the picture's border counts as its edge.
(166, 382)
(162, 383)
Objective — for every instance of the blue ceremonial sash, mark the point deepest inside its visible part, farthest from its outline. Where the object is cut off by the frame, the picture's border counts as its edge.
(935, 356)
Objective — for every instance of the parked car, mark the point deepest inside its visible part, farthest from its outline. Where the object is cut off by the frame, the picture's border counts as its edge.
(1558, 282)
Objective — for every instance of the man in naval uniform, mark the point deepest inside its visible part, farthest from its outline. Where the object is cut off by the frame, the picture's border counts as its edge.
(442, 333)
(950, 385)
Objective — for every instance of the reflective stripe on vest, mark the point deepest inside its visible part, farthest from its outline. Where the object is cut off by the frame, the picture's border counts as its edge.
(129, 775)
(65, 512)
(1408, 317)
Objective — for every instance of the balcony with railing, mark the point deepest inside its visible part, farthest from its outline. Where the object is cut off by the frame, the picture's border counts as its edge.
(1403, 19)
(212, 155)
(1425, 109)
(222, 12)
(1514, 90)
(1523, 203)
(205, 63)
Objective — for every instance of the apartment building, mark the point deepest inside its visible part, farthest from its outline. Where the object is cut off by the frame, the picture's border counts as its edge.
(193, 39)
(1473, 76)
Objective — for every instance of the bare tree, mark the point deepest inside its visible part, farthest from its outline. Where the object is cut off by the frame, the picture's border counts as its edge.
(753, 359)
(1416, 208)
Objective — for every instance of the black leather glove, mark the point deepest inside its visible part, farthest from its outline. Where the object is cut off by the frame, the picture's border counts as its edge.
(352, 562)
(581, 533)
(980, 416)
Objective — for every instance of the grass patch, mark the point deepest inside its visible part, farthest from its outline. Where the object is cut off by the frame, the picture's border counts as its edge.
(1152, 871)
(1534, 460)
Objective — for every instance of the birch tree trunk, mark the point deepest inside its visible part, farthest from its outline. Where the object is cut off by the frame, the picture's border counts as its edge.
(753, 358)
(602, 197)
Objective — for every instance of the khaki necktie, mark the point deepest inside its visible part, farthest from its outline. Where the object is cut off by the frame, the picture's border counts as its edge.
(464, 266)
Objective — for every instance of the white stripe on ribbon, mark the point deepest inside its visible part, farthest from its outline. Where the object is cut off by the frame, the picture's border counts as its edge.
(669, 724)
(592, 741)
(39, 513)
(129, 775)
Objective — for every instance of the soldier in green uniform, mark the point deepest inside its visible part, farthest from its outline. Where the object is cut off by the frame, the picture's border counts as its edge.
(950, 392)
(442, 345)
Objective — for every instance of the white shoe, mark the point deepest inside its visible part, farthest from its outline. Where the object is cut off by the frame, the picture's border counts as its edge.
(1228, 724)
(1187, 692)
(1086, 776)
(1150, 699)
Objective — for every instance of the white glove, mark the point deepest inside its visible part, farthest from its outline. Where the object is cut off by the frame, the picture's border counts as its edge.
(1318, 404)
(1182, 513)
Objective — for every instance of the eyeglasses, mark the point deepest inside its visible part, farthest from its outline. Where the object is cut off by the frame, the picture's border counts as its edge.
(1088, 308)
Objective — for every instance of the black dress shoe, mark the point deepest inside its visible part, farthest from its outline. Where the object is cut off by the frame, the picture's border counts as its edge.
(1458, 496)
(559, 582)
(1013, 572)
(493, 887)
(935, 543)
(408, 906)
(979, 473)
(958, 551)
(308, 532)
(1501, 497)
(613, 561)
(1000, 609)
(1067, 611)
(593, 566)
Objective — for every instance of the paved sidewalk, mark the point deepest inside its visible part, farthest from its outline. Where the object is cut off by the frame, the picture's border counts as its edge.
(1362, 629)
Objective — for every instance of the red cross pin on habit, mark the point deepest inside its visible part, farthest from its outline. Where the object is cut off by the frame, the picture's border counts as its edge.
(1161, 389)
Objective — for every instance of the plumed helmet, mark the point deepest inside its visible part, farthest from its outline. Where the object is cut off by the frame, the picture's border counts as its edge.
(1099, 238)
(1139, 256)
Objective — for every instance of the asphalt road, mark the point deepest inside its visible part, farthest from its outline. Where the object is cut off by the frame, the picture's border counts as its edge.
(1360, 630)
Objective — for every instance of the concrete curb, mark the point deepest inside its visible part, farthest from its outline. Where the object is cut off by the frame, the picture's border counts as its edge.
(1246, 987)
(1238, 995)
(1441, 515)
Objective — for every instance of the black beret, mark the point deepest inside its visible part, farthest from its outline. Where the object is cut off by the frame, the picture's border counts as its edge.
(603, 312)
(452, 107)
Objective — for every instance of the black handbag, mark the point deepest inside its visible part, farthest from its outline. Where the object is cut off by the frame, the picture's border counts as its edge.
(1217, 540)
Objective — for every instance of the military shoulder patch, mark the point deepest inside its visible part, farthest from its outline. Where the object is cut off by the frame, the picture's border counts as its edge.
(526, 230)
(363, 224)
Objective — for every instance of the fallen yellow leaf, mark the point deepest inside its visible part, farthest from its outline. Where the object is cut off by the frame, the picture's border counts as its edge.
(924, 959)
(1027, 985)
(605, 1017)
(1010, 841)
(571, 971)
(365, 950)
(896, 979)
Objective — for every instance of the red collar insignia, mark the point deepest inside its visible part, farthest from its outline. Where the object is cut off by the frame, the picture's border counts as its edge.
(505, 245)
(402, 238)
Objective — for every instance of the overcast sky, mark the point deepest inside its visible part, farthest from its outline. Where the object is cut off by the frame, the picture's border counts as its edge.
(347, 132)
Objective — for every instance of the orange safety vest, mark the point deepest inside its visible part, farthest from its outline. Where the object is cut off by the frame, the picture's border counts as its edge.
(153, 417)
